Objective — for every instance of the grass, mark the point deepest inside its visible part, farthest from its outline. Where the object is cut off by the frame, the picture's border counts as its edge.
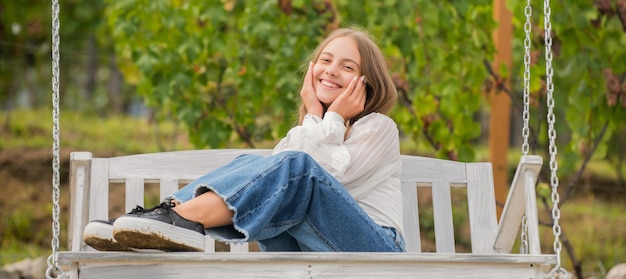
(80, 131)
(597, 230)
(595, 226)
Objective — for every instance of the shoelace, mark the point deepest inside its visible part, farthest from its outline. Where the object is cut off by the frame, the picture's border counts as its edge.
(137, 209)
(163, 205)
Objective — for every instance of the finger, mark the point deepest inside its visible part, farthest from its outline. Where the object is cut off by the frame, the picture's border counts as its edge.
(361, 87)
(308, 77)
(311, 78)
(362, 83)
(352, 85)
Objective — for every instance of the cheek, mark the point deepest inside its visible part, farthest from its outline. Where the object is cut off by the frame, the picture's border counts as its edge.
(317, 71)
(347, 78)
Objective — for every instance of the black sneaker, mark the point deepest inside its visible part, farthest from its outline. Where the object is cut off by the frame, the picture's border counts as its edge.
(161, 229)
(99, 233)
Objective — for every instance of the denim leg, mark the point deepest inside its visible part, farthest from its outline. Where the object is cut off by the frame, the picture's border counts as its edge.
(289, 193)
(283, 242)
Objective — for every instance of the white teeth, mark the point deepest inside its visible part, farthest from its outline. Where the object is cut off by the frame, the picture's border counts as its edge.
(329, 84)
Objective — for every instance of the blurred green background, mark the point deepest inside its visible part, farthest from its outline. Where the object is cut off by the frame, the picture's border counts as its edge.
(146, 76)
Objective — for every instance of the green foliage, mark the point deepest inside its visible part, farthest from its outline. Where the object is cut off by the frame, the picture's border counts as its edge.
(18, 226)
(221, 68)
(595, 228)
(22, 33)
(588, 46)
(230, 67)
(25, 49)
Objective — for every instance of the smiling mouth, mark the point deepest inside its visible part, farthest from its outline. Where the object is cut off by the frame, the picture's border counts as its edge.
(329, 84)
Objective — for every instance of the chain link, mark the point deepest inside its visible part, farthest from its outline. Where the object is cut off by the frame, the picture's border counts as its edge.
(523, 249)
(54, 271)
(526, 113)
(554, 180)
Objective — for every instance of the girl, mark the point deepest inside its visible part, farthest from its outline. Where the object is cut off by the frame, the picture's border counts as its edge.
(332, 184)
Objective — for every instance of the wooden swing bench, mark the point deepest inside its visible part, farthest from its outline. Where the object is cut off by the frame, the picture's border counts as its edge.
(491, 242)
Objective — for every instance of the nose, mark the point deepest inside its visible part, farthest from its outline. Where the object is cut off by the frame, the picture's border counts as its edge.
(331, 70)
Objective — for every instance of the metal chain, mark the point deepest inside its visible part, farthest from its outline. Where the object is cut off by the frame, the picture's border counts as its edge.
(523, 249)
(554, 180)
(526, 113)
(54, 271)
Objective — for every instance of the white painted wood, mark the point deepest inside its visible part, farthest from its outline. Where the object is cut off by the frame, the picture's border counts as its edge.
(209, 246)
(239, 248)
(134, 193)
(79, 196)
(426, 170)
(171, 169)
(482, 207)
(74, 270)
(99, 189)
(68, 257)
(515, 206)
(167, 186)
(185, 165)
(306, 265)
(442, 213)
(532, 219)
(410, 217)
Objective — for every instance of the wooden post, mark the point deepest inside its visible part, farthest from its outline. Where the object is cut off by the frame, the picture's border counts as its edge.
(499, 123)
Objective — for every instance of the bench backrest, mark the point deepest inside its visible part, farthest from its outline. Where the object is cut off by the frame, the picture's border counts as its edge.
(91, 178)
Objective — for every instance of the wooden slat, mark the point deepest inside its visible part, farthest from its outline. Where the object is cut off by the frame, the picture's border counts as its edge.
(167, 186)
(190, 164)
(442, 212)
(423, 169)
(515, 206)
(209, 246)
(411, 217)
(68, 257)
(307, 265)
(185, 165)
(239, 248)
(134, 192)
(80, 169)
(482, 207)
(532, 220)
(99, 190)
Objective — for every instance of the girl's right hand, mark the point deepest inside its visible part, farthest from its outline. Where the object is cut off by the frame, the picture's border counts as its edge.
(309, 97)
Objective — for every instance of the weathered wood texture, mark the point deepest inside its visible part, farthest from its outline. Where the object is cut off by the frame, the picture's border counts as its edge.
(491, 242)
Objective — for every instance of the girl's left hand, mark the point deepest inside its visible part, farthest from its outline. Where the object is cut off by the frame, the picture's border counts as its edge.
(352, 101)
(309, 97)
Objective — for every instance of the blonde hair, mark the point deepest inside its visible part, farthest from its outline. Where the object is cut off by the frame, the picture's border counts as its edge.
(381, 94)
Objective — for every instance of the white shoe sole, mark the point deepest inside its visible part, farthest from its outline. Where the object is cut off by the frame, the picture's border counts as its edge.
(100, 237)
(144, 233)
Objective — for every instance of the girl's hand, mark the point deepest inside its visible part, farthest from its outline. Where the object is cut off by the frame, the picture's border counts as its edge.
(352, 101)
(309, 97)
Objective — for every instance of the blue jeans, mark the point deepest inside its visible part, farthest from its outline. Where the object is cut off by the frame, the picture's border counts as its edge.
(287, 202)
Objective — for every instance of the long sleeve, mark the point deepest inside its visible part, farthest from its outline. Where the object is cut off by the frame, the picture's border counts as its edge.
(371, 146)
(366, 161)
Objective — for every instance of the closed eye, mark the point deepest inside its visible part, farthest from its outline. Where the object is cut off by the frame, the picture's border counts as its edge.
(326, 60)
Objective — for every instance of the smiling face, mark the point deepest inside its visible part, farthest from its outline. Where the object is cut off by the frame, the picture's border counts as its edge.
(339, 62)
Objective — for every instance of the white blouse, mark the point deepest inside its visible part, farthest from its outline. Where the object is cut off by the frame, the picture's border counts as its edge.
(366, 162)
